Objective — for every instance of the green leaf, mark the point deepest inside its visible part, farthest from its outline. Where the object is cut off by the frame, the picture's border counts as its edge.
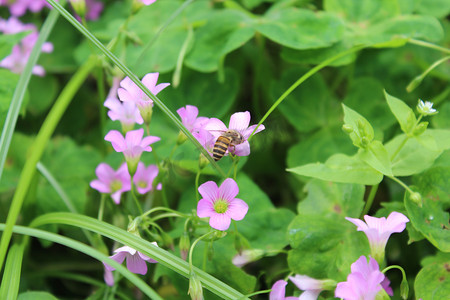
(377, 157)
(9, 81)
(308, 107)
(442, 119)
(433, 280)
(13, 269)
(301, 28)
(402, 112)
(361, 127)
(435, 8)
(225, 31)
(43, 91)
(341, 168)
(363, 11)
(36, 296)
(413, 157)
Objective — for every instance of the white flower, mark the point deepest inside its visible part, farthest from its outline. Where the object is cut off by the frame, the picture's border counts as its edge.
(426, 108)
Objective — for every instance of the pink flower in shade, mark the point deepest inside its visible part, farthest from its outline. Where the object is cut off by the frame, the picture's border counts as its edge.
(220, 204)
(129, 91)
(378, 230)
(136, 262)
(125, 112)
(363, 283)
(190, 120)
(143, 179)
(112, 182)
(239, 122)
(93, 9)
(132, 145)
(19, 7)
(279, 290)
(311, 287)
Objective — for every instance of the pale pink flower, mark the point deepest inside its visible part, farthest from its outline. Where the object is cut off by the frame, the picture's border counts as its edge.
(93, 9)
(311, 287)
(279, 291)
(378, 230)
(190, 120)
(147, 2)
(136, 262)
(112, 182)
(144, 177)
(220, 204)
(13, 25)
(363, 283)
(19, 7)
(125, 112)
(129, 91)
(131, 146)
(247, 256)
(239, 121)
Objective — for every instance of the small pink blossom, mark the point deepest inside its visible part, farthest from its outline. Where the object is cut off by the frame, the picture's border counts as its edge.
(125, 112)
(13, 25)
(190, 120)
(378, 230)
(136, 262)
(247, 256)
(144, 177)
(239, 121)
(311, 287)
(112, 182)
(19, 7)
(132, 145)
(220, 204)
(129, 91)
(93, 9)
(279, 291)
(147, 2)
(364, 282)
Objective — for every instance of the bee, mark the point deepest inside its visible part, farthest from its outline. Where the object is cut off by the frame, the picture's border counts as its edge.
(228, 139)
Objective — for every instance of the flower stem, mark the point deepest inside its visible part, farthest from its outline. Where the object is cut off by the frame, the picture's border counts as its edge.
(197, 178)
(165, 209)
(429, 45)
(370, 198)
(257, 293)
(191, 250)
(101, 207)
(401, 183)
(136, 200)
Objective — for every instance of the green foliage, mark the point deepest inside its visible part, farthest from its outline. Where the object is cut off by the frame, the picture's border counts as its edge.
(433, 281)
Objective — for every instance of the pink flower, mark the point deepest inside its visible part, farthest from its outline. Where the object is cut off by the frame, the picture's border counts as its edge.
(143, 179)
(220, 204)
(125, 112)
(93, 9)
(129, 91)
(112, 182)
(147, 2)
(19, 7)
(364, 282)
(311, 287)
(132, 145)
(378, 230)
(136, 262)
(13, 25)
(190, 120)
(239, 122)
(279, 290)
(247, 256)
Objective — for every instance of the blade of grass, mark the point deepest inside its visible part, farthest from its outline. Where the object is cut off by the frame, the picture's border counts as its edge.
(162, 256)
(135, 79)
(56, 238)
(13, 268)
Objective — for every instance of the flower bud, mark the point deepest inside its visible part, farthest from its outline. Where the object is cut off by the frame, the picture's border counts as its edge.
(365, 142)
(347, 128)
(404, 289)
(420, 128)
(195, 287)
(202, 161)
(416, 198)
(79, 6)
(184, 245)
(133, 226)
(181, 138)
(146, 113)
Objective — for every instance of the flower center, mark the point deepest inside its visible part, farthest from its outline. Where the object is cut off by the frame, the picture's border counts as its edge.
(220, 206)
(115, 185)
(142, 184)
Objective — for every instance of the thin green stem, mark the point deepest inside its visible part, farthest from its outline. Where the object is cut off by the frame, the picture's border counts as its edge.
(303, 79)
(165, 209)
(370, 198)
(191, 250)
(406, 138)
(394, 267)
(258, 293)
(428, 45)
(168, 215)
(401, 183)
(197, 179)
(46, 131)
(136, 200)
(101, 207)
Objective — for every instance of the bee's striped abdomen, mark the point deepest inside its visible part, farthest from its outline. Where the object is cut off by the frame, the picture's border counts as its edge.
(220, 147)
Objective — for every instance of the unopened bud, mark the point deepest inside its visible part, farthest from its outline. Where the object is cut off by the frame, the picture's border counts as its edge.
(365, 142)
(404, 289)
(181, 138)
(79, 6)
(414, 83)
(416, 198)
(420, 128)
(133, 226)
(146, 113)
(347, 128)
(184, 245)
(202, 161)
(195, 287)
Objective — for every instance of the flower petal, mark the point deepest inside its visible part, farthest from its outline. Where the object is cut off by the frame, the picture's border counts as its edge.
(396, 222)
(134, 137)
(310, 295)
(237, 209)
(205, 208)
(136, 264)
(228, 190)
(278, 290)
(220, 221)
(215, 127)
(209, 191)
(239, 121)
(116, 139)
(100, 186)
(361, 226)
(242, 149)
(249, 130)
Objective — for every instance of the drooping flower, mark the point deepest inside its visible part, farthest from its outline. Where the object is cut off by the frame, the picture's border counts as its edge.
(238, 121)
(144, 177)
(125, 112)
(364, 282)
(136, 262)
(112, 182)
(426, 108)
(220, 204)
(378, 230)
(247, 256)
(279, 291)
(129, 91)
(311, 286)
(132, 145)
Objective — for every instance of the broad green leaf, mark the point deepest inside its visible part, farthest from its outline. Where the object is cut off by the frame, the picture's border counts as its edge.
(431, 220)
(308, 107)
(413, 157)
(9, 81)
(361, 10)
(442, 119)
(435, 8)
(433, 280)
(43, 91)
(331, 199)
(341, 168)
(377, 157)
(402, 112)
(225, 31)
(36, 296)
(324, 246)
(301, 28)
(319, 147)
(361, 127)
